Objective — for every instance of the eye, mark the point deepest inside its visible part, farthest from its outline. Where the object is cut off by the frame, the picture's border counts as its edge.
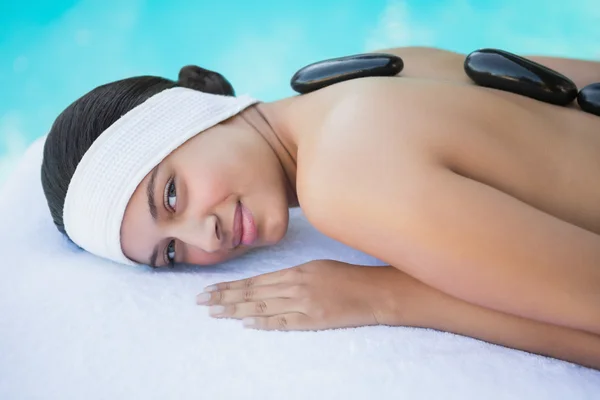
(170, 197)
(170, 253)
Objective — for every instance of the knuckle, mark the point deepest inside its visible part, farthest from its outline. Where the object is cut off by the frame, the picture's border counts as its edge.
(290, 274)
(249, 282)
(283, 272)
(248, 294)
(296, 274)
(309, 267)
(260, 307)
(281, 322)
(217, 297)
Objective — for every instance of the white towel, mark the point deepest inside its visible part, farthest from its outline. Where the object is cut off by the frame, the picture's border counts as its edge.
(73, 326)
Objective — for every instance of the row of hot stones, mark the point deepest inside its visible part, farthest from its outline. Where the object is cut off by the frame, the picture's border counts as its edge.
(491, 68)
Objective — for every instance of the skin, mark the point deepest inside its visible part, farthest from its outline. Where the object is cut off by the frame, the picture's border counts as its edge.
(210, 175)
(300, 298)
(487, 213)
(519, 213)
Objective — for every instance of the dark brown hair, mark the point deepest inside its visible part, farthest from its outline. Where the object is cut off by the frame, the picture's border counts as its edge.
(80, 124)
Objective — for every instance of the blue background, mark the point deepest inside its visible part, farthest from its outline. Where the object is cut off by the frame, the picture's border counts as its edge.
(52, 52)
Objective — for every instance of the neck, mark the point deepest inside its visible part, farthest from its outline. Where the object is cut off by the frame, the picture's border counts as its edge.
(270, 122)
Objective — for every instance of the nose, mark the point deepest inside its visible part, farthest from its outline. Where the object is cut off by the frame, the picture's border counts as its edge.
(203, 234)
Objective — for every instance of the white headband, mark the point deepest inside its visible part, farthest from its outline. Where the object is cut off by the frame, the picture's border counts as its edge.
(125, 153)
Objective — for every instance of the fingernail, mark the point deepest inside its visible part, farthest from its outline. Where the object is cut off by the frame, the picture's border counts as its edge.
(210, 288)
(249, 322)
(203, 298)
(216, 310)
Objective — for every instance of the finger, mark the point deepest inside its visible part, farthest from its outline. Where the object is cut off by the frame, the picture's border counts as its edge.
(289, 275)
(262, 308)
(280, 322)
(244, 295)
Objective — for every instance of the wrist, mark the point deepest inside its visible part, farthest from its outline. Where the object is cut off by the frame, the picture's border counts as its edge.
(401, 300)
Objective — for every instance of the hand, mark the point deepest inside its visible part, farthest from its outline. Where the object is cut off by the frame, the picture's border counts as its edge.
(321, 294)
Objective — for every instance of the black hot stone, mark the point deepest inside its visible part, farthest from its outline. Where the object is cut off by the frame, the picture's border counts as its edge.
(509, 72)
(589, 98)
(324, 73)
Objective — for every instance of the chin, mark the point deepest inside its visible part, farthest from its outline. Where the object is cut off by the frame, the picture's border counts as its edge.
(275, 231)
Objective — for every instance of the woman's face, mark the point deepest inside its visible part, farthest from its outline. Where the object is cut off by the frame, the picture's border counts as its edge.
(218, 195)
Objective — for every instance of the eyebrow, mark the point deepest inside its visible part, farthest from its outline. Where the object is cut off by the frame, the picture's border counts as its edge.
(150, 194)
(153, 211)
(153, 257)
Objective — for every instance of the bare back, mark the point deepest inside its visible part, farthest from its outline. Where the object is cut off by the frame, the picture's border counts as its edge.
(544, 155)
(482, 194)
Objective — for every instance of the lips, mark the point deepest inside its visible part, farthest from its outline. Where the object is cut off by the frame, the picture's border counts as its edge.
(244, 228)
(249, 231)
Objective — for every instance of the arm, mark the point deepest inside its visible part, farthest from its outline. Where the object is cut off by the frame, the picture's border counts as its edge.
(432, 63)
(466, 239)
(491, 249)
(324, 294)
(433, 309)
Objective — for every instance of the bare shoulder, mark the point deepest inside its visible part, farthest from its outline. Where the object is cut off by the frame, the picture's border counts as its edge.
(348, 164)
(386, 151)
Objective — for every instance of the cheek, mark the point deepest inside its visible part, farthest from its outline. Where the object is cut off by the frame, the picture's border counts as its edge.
(199, 257)
(207, 185)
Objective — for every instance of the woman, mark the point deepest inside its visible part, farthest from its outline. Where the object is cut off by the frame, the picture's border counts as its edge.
(483, 203)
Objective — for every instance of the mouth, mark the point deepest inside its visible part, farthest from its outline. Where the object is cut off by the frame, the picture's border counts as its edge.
(244, 227)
